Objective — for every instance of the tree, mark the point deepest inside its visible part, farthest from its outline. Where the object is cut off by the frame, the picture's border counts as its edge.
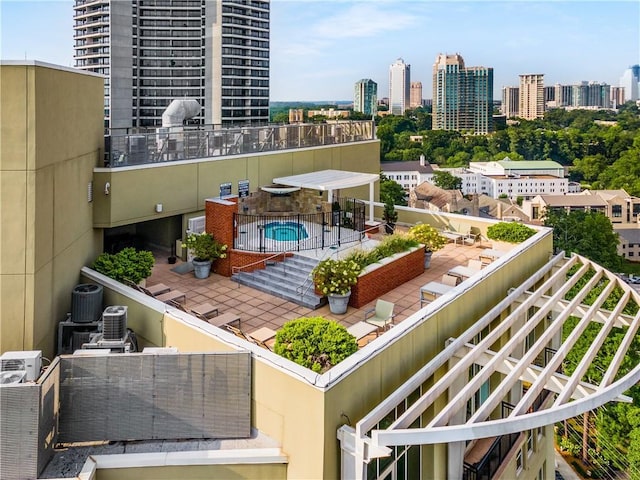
(587, 233)
(446, 180)
(391, 191)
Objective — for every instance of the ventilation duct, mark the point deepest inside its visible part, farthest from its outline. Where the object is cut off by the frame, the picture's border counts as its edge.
(180, 110)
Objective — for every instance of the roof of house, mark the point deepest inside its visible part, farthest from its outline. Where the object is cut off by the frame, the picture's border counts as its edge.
(509, 164)
(411, 166)
(577, 200)
(436, 196)
(631, 235)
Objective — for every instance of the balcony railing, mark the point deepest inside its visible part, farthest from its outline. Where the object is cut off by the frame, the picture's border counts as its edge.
(486, 468)
(169, 144)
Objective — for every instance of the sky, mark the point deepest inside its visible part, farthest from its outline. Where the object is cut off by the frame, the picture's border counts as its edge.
(319, 49)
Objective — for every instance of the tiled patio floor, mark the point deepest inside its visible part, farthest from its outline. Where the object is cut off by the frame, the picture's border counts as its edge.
(257, 309)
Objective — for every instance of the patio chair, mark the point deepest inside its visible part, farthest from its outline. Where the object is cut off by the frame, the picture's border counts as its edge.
(264, 337)
(450, 280)
(204, 311)
(381, 316)
(475, 264)
(361, 330)
(238, 333)
(157, 289)
(175, 295)
(178, 305)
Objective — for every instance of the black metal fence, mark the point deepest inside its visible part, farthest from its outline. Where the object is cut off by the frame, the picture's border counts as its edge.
(290, 233)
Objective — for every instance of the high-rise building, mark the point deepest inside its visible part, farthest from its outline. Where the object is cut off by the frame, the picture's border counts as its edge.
(630, 80)
(399, 86)
(531, 103)
(415, 95)
(365, 97)
(509, 105)
(152, 52)
(617, 96)
(462, 96)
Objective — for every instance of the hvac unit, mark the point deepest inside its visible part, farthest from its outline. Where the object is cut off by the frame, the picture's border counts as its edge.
(86, 303)
(114, 323)
(29, 361)
(196, 224)
(8, 378)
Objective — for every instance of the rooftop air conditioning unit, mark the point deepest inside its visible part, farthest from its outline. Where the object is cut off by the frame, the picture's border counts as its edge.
(196, 224)
(114, 323)
(8, 378)
(29, 361)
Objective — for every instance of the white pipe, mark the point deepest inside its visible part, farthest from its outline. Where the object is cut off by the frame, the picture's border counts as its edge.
(179, 110)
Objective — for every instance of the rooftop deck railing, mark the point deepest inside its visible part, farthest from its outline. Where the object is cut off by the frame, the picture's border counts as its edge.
(186, 143)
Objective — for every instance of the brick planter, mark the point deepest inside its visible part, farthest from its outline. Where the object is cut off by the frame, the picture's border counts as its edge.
(400, 268)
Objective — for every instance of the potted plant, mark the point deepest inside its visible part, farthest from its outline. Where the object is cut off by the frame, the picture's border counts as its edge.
(389, 216)
(205, 250)
(430, 238)
(334, 279)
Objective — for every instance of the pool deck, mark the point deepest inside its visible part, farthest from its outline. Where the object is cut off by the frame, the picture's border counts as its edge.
(257, 309)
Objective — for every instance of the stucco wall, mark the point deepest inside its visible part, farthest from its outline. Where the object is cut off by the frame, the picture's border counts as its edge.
(51, 131)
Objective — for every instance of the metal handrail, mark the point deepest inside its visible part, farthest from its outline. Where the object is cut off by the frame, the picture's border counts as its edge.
(235, 269)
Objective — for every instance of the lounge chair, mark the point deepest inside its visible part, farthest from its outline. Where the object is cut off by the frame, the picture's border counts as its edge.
(175, 295)
(361, 329)
(264, 337)
(205, 311)
(381, 316)
(157, 289)
(450, 280)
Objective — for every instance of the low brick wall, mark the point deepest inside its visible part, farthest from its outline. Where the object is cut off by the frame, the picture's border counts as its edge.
(376, 283)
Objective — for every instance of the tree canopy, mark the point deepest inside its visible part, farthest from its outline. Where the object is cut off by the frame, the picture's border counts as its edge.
(587, 233)
(391, 192)
(446, 180)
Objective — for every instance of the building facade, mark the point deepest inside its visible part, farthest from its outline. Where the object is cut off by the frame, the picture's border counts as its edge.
(399, 87)
(510, 97)
(630, 81)
(462, 96)
(617, 96)
(531, 100)
(415, 97)
(155, 51)
(365, 97)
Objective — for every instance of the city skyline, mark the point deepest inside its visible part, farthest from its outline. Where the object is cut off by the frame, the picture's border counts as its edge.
(319, 49)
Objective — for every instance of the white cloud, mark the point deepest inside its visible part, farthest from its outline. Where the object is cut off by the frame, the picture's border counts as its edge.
(364, 20)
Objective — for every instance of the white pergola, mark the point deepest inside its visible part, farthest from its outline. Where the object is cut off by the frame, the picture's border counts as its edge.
(508, 349)
(331, 180)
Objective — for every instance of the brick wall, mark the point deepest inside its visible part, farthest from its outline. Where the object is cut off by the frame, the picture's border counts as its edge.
(374, 284)
(219, 222)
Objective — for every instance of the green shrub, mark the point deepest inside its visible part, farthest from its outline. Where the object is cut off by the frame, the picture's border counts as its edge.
(205, 247)
(335, 276)
(129, 263)
(390, 245)
(428, 236)
(315, 342)
(512, 232)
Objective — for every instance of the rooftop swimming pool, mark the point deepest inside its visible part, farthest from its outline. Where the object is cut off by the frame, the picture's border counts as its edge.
(285, 231)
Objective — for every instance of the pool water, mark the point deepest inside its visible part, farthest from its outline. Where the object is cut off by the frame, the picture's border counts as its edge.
(285, 231)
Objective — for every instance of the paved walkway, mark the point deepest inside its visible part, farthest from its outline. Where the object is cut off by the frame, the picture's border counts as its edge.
(257, 309)
(564, 469)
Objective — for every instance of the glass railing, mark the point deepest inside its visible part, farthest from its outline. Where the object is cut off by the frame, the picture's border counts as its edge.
(168, 145)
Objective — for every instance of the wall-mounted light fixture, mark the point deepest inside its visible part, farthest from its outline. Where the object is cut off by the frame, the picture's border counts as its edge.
(158, 208)
(107, 188)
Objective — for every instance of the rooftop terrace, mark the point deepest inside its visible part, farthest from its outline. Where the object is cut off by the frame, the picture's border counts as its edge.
(257, 309)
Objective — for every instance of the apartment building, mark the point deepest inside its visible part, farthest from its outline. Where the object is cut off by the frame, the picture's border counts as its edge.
(365, 97)
(415, 96)
(531, 101)
(510, 101)
(622, 209)
(462, 96)
(152, 52)
(399, 87)
(415, 401)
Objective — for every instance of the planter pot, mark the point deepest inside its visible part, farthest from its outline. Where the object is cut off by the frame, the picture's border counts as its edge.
(389, 228)
(427, 259)
(338, 303)
(201, 269)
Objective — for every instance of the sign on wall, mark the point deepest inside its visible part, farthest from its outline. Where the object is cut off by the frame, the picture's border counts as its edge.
(243, 188)
(225, 189)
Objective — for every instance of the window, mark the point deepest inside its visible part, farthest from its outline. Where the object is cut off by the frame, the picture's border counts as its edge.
(530, 442)
(616, 211)
(519, 464)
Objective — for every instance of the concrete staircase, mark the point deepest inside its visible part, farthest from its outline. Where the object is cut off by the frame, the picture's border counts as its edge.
(283, 280)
